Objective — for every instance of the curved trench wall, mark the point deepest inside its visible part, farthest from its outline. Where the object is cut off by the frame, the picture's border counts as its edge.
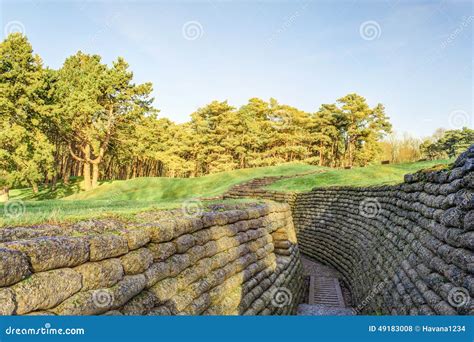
(228, 261)
(403, 249)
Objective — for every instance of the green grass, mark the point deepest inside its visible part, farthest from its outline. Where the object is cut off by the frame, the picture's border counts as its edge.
(360, 176)
(58, 211)
(45, 192)
(166, 189)
(123, 198)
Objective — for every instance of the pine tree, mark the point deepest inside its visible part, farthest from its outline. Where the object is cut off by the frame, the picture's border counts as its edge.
(25, 151)
(96, 101)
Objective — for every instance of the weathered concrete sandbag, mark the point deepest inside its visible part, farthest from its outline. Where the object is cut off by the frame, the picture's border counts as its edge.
(7, 302)
(172, 266)
(47, 253)
(165, 289)
(100, 274)
(45, 290)
(141, 304)
(137, 261)
(136, 237)
(107, 246)
(14, 266)
(156, 272)
(94, 302)
(162, 251)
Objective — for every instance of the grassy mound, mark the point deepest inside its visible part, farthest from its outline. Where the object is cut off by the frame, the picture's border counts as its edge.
(122, 198)
(360, 176)
(112, 198)
(46, 193)
(166, 189)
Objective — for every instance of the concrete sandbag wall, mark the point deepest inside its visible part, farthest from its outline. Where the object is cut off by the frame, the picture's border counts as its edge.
(403, 249)
(241, 260)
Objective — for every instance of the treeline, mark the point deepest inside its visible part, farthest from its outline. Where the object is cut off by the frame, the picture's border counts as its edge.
(90, 119)
(443, 144)
(447, 143)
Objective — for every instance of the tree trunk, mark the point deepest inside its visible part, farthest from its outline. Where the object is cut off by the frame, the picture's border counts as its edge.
(95, 175)
(87, 176)
(67, 171)
(349, 147)
(34, 186)
(87, 168)
(321, 154)
(54, 181)
(4, 194)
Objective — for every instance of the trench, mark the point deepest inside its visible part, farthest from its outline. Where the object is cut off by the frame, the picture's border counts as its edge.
(404, 249)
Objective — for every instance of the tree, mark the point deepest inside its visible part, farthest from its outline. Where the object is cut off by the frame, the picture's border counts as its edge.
(208, 127)
(89, 119)
(96, 101)
(361, 127)
(325, 134)
(25, 151)
(448, 143)
(399, 149)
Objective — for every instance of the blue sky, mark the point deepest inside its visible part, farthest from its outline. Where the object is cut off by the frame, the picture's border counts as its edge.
(415, 57)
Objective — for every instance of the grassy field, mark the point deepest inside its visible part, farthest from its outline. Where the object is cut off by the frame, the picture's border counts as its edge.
(360, 176)
(123, 198)
(68, 203)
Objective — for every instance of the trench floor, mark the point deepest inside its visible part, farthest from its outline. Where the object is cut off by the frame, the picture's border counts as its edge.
(326, 295)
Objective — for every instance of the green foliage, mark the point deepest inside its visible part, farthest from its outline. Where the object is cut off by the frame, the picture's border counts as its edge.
(88, 119)
(26, 154)
(448, 143)
(360, 176)
(96, 103)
